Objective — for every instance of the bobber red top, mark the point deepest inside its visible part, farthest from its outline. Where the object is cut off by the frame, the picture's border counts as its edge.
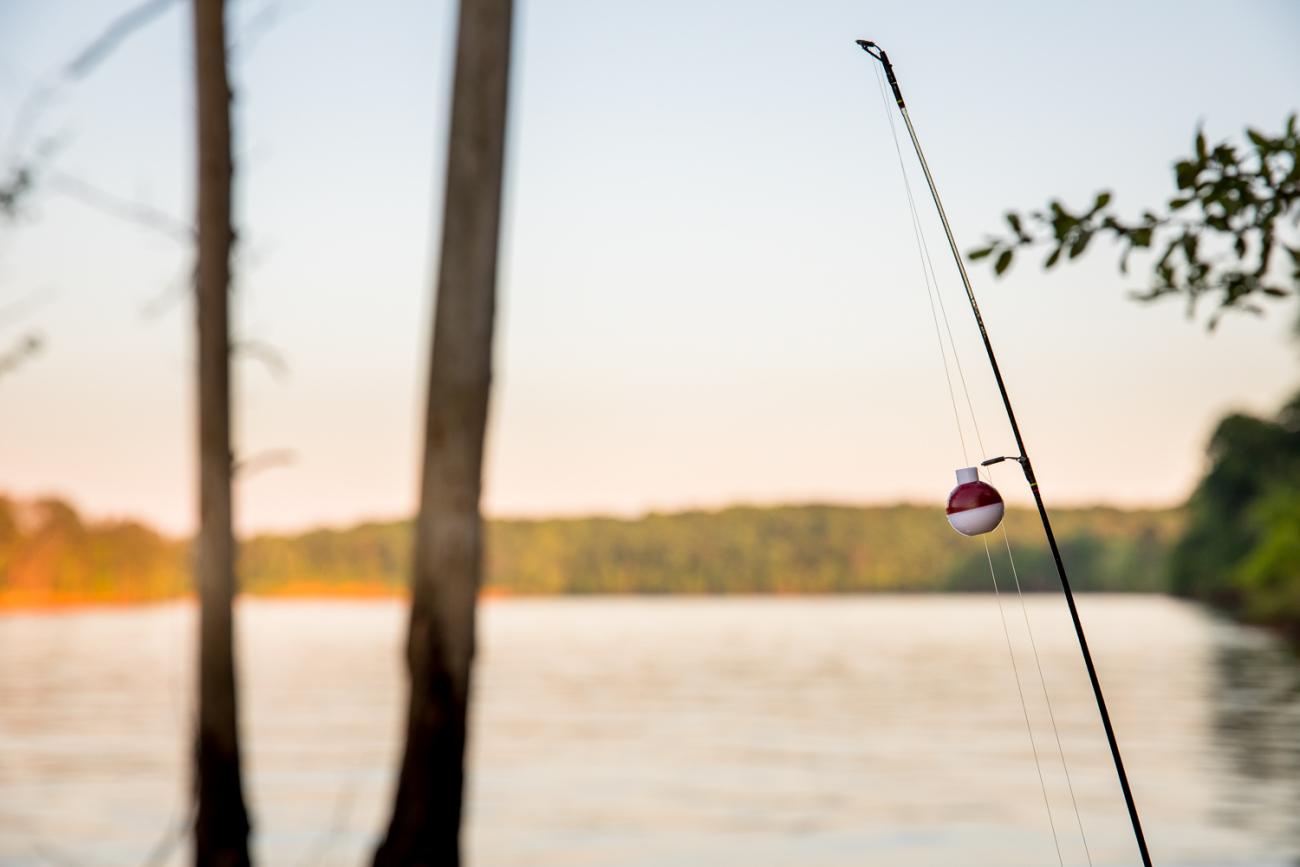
(972, 495)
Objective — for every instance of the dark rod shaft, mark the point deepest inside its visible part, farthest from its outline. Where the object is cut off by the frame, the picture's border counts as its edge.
(1038, 497)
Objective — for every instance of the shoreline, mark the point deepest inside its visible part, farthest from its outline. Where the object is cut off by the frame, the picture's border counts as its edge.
(46, 603)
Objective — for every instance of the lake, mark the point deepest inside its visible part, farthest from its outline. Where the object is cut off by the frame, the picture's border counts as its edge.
(675, 731)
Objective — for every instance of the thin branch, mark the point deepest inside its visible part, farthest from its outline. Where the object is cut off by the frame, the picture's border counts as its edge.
(170, 295)
(268, 355)
(144, 216)
(262, 22)
(81, 64)
(262, 461)
(118, 30)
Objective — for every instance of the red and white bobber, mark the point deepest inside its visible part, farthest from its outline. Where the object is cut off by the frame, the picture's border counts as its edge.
(974, 507)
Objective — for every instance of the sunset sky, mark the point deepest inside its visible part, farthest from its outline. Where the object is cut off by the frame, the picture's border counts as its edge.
(710, 292)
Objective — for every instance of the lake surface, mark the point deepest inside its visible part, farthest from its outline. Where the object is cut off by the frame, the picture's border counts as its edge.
(718, 731)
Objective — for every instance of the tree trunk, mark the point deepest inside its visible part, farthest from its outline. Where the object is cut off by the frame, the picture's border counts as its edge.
(425, 825)
(221, 826)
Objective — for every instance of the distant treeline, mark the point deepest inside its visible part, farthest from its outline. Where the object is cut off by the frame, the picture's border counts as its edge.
(49, 554)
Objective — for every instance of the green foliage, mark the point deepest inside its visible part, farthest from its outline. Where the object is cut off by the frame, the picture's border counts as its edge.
(1223, 234)
(1241, 547)
(1269, 577)
(47, 554)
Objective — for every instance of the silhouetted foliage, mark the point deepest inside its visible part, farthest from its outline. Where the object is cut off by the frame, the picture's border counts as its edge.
(1222, 234)
(13, 189)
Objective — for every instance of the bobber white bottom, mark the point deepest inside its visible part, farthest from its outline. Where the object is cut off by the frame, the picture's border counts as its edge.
(981, 519)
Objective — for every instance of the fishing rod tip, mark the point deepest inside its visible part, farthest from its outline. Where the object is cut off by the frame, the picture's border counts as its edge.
(871, 48)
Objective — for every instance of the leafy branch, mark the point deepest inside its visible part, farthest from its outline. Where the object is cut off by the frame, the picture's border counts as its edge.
(1221, 234)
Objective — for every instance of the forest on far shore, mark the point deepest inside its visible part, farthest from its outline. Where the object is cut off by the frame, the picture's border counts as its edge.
(49, 554)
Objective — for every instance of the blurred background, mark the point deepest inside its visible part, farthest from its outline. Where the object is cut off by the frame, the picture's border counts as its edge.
(724, 621)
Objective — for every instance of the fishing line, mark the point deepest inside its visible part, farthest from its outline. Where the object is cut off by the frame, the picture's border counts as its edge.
(1015, 669)
(1042, 681)
(923, 249)
(1006, 539)
(932, 281)
(932, 292)
(932, 278)
(878, 54)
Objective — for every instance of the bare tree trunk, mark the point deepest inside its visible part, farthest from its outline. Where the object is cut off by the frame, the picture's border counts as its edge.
(425, 826)
(221, 826)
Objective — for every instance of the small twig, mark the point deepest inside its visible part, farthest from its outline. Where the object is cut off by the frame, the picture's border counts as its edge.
(262, 461)
(268, 355)
(174, 291)
(113, 35)
(264, 20)
(80, 65)
(136, 213)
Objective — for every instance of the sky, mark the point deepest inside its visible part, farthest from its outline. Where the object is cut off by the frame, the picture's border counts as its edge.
(710, 292)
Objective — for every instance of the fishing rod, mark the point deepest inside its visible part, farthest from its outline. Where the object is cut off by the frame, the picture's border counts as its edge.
(879, 54)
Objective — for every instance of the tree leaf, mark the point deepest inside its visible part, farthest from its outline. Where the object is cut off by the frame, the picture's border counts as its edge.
(980, 253)
(1080, 243)
(1003, 262)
